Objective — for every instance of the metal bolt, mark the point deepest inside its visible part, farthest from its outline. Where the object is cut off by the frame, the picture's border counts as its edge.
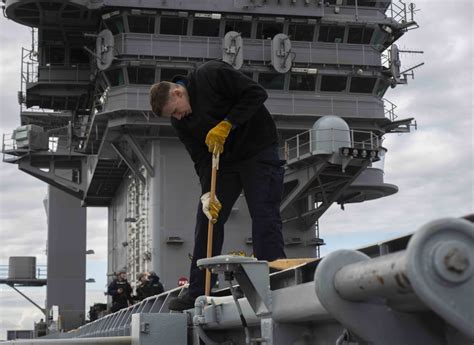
(456, 261)
(452, 261)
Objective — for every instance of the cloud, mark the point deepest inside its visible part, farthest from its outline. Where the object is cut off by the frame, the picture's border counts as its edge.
(19, 314)
(97, 233)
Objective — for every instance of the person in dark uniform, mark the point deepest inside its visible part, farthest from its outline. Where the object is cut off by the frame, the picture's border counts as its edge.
(155, 285)
(217, 109)
(142, 286)
(148, 285)
(121, 292)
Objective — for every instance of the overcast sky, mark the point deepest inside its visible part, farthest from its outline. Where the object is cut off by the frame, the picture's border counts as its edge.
(433, 166)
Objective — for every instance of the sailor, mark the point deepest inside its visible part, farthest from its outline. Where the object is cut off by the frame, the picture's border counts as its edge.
(142, 286)
(217, 109)
(121, 292)
(156, 287)
(148, 285)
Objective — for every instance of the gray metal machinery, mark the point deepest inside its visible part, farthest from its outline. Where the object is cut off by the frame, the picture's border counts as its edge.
(87, 128)
(411, 290)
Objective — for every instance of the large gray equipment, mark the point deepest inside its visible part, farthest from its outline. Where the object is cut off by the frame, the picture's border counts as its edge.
(325, 65)
(411, 290)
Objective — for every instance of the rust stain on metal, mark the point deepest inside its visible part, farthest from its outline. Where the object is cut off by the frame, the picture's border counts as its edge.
(380, 279)
(402, 281)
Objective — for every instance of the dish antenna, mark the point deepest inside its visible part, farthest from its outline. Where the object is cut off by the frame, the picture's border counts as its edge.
(104, 49)
(280, 53)
(395, 63)
(232, 51)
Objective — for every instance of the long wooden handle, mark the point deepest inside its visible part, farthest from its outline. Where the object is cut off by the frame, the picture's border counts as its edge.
(210, 226)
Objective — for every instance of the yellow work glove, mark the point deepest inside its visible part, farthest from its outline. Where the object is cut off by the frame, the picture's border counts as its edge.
(216, 137)
(210, 209)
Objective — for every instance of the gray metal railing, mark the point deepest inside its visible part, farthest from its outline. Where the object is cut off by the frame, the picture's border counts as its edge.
(307, 143)
(118, 324)
(9, 143)
(41, 272)
(73, 341)
(389, 110)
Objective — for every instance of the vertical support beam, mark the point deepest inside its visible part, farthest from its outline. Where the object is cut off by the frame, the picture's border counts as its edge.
(67, 224)
(154, 214)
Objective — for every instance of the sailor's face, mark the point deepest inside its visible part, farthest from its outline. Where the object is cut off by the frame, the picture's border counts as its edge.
(178, 105)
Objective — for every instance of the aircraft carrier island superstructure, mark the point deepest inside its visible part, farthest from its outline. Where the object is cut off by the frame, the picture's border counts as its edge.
(88, 131)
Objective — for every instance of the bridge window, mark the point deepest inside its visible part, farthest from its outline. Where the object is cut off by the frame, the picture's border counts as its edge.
(115, 25)
(141, 24)
(244, 28)
(268, 30)
(167, 74)
(173, 26)
(359, 35)
(362, 84)
(331, 33)
(301, 32)
(55, 55)
(302, 82)
(206, 27)
(331, 83)
(363, 3)
(115, 77)
(272, 81)
(382, 87)
(141, 75)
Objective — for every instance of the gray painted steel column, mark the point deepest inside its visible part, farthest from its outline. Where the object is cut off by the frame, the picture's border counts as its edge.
(67, 224)
(155, 207)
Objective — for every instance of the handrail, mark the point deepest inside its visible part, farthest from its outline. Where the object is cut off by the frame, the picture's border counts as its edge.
(305, 143)
(41, 272)
(390, 111)
(104, 340)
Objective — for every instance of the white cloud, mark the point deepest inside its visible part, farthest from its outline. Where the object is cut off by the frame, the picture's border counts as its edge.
(17, 312)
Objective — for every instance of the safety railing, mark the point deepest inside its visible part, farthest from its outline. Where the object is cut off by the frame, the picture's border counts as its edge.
(327, 141)
(119, 323)
(33, 72)
(402, 13)
(398, 11)
(8, 143)
(11, 149)
(389, 110)
(41, 272)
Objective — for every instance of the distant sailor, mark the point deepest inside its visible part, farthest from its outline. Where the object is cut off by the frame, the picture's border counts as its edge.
(121, 292)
